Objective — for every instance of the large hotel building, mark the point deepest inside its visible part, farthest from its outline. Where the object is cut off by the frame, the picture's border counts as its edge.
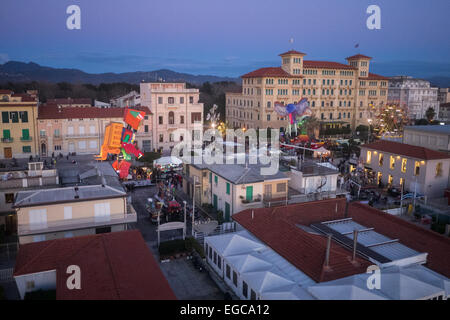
(338, 94)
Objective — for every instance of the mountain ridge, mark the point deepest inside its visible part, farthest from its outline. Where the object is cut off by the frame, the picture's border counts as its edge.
(16, 71)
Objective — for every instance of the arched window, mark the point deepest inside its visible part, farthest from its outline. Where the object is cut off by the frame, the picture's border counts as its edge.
(171, 100)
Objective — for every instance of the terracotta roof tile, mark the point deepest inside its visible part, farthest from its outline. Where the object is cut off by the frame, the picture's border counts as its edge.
(291, 52)
(269, 72)
(422, 240)
(406, 150)
(326, 65)
(115, 265)
(277, 228)
(71, 101)
(373, 76)
(358, 56)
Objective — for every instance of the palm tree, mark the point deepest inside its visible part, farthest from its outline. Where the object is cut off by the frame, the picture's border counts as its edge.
(312, 125)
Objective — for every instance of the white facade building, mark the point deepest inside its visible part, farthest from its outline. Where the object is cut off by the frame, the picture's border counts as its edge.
(132, 99)
(417, 94)
(173, 107)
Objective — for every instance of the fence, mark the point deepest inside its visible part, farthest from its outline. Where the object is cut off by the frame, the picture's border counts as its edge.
(226, 227)
(6, 275)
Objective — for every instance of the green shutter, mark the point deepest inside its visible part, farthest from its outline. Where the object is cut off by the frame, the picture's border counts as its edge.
(210, 177)
(227, 211)
(26, 149)
(249, 193)
(216, 179)
(25, 134)
(5, 117)
(24, 116)
(6, 134)
(228, 188)
(215, 201)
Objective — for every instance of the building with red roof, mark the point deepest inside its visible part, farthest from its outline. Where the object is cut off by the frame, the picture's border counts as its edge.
(339, 94)
(420, 170)
(307, 251)
(113, 266)
(81, 129)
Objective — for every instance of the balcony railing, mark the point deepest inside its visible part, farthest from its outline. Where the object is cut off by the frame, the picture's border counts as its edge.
(26, 138)
(81, 223)
(7, 140)
(81, 136)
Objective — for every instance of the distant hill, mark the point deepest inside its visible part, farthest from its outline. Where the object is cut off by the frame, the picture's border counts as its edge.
(16, 71)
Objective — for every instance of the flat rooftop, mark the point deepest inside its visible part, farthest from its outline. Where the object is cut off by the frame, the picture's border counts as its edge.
(67, 194)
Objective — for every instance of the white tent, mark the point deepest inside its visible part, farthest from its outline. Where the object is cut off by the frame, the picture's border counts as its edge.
(321, 150)
(164, 161)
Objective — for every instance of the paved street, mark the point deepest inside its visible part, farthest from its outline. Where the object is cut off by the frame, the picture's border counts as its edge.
(186, 281)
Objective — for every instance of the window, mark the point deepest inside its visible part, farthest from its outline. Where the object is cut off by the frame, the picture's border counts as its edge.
(216, 179)
(252, 295)
(228, 188)
(390, 178)
(82, 145)
(93, 144)
(171, 100)
(228, 272)
(281, 187)
(416, 168)
(67, 213)
(57, 147)
(37, 218)
(160, 120)
(5, 117)
(24, 116)
(219, 262)
(26, 149)
(145, 128)
(439, 169)
(171, 117)
(210, 253)
(14, 115)
(235, 278)
(9, 197)
(181, 100)
(404, 161)
(380, 159)
(215, 257)
(160, 100)
(161, 137)
(196, 117)
(181, 119)
(392, 162)
(369, 156)
(30, 285)
(191, 100)
(244, 289)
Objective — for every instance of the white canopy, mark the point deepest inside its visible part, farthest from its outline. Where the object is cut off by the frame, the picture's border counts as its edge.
(321, 150)
(164, 161)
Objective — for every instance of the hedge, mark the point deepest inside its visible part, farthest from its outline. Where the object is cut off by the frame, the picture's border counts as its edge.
(173, 247)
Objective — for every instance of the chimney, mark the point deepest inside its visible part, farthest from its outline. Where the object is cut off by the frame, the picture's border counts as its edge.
(355, 243)
(327, 254)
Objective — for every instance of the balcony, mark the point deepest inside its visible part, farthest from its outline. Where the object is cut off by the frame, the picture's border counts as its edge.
(82, 136)
(82, 223)
(26, 139)
(7, 140)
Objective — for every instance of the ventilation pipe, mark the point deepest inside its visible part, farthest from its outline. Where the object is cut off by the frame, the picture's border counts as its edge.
(355, 243)
(327, 254)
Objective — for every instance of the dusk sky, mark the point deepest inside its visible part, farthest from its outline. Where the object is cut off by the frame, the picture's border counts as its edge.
(226, 38)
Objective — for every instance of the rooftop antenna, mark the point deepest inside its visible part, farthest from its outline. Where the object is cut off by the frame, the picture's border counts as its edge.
(291, 41)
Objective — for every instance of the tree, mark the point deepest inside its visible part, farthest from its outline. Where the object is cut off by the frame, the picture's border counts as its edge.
(311, 125)
(421, 122)
(429, 114)
(392, 118)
